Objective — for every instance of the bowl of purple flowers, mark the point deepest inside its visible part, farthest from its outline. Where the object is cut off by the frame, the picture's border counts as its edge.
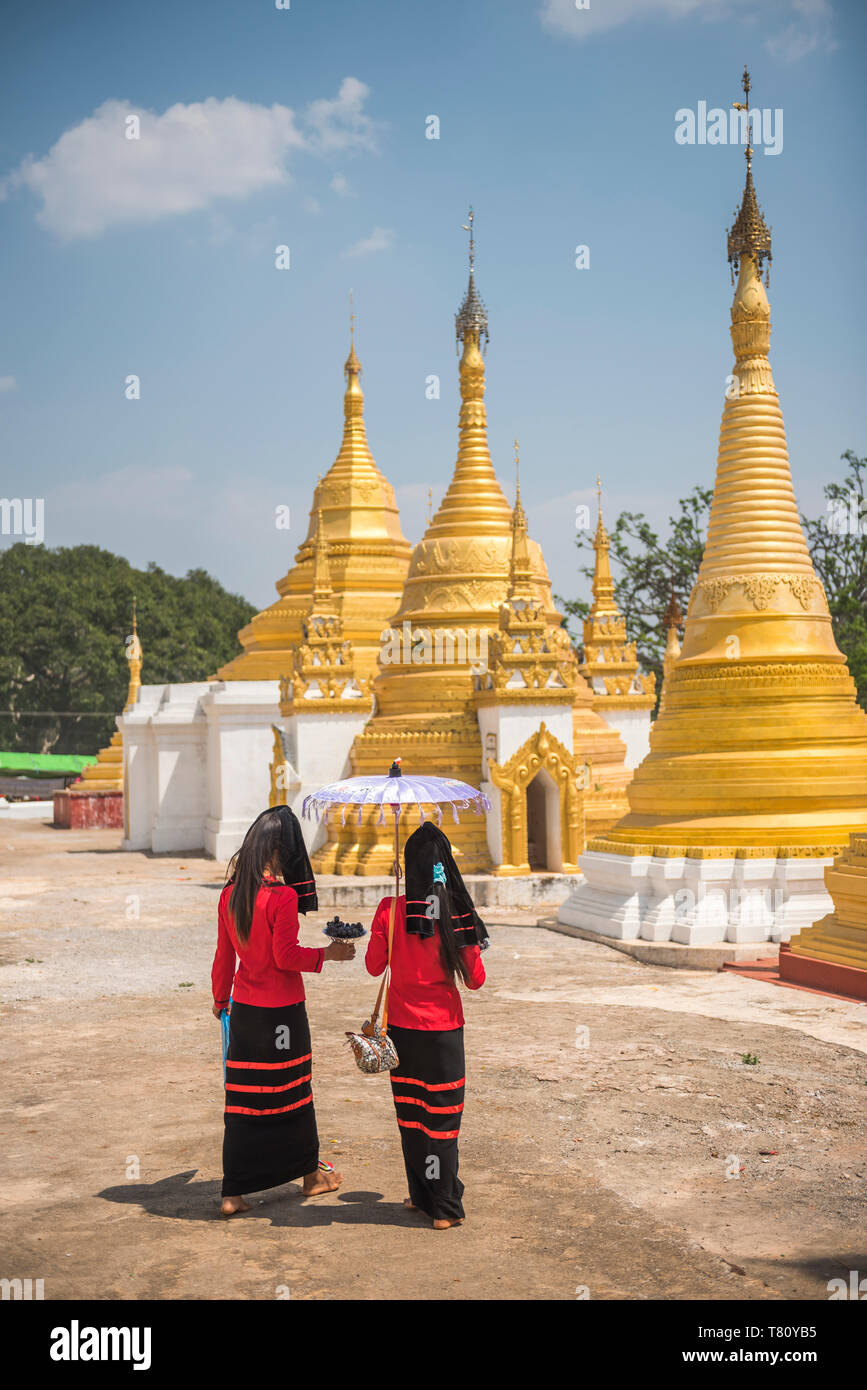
(344, 931)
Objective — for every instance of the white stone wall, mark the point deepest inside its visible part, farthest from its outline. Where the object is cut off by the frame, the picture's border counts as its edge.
(197, 760)
(696, 901)
(633, 726)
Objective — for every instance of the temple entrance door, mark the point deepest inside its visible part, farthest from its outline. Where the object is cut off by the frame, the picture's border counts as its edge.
(544, 851)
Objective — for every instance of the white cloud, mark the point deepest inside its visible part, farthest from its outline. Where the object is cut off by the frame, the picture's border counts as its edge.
(380, 239)
(8, 383)
(94, 177)
(340, 184)
(341, 124)
(809, 27)
(811, 30)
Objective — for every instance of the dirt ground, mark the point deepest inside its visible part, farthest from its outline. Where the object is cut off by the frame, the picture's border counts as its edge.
(614, 1140)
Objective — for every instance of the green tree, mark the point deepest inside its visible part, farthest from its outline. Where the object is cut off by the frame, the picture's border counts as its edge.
(64, 616)
(651, 570)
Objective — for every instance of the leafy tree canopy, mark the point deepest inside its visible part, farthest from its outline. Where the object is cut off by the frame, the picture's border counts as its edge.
(64, 617)
(652, 569)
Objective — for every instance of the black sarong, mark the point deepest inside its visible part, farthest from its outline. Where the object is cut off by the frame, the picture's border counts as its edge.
(270, 1132)
(428, 1091)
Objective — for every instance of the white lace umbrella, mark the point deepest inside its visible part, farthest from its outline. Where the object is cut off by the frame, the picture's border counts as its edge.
(399, 792)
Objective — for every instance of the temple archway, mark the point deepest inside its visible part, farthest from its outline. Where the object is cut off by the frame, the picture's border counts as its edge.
(541, 788)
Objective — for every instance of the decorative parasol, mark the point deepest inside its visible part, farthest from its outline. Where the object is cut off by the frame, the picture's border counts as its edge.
(400, 792)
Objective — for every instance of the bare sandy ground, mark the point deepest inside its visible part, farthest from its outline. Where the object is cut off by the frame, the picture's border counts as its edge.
(614, 1140)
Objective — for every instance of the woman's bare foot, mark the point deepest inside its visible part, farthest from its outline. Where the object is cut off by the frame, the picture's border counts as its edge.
(232, 1205)
(439, 1225)
(320, 1181)
(409, 1204)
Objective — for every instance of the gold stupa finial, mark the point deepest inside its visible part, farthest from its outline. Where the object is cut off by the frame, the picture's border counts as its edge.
(322, 590)
(134, 657)
(471, 320)
(352, 366)
(429, 505)
(603, 584)
(749, 234)
(517, 476)
(520, 567)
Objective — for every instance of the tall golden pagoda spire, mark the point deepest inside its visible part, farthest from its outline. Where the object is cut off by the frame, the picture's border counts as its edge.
(603, 585)
(355, 515)
(610, 662)
(323, 594)
(759, 747)
(520, 568)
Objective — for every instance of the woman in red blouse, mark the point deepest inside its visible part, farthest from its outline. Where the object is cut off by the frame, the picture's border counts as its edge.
(270, 1134)
(437, 940)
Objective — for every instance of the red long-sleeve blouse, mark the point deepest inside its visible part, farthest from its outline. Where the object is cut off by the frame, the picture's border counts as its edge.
(270, 960)
(420, 994)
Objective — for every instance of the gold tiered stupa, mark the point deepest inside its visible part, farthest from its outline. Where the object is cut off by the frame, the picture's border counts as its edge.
(610, 662)
(458, 580)
(760, 748)
(106, 774)
(368, 558)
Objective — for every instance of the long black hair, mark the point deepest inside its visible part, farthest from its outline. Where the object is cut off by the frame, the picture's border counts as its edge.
(453, 961)
(435, 892)
(273, 844)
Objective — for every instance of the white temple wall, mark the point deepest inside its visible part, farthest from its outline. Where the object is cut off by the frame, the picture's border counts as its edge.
(633, 726)
(696, 901)
(240, 742)
(511, 725)
(179, 731)
(140, 768)
(320, 747)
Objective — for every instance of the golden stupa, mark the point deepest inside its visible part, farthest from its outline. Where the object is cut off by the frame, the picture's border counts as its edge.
(458, 580)
(610, 662)
(106, 774)
(840, 938)
(368, 558)
(759, 748)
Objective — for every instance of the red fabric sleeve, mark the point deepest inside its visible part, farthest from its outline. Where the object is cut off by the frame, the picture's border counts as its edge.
(223, 969)
(288, 955)
(473, 961)
(376, 956)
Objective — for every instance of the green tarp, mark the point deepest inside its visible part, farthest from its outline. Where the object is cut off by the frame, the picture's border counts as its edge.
(44, 764)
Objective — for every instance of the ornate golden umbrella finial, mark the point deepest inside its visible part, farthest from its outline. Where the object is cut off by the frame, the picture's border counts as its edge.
(749, 235)
(471, 318)
(352, 366)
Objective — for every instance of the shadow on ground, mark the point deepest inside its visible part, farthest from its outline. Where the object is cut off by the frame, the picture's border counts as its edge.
(180, 1198)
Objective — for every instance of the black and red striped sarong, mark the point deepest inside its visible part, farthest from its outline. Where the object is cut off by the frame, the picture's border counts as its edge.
(270, 1134)
(428, 1091)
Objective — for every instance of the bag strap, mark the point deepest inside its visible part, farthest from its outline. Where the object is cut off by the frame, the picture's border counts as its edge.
(387, 974)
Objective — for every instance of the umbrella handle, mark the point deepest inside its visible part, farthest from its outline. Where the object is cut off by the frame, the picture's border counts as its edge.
(395, 868)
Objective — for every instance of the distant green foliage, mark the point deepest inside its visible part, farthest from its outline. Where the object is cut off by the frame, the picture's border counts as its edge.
(838, 544)
(650, 569)
(64, 616)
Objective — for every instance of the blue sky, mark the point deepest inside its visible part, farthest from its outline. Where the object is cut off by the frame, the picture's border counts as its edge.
(306, 127)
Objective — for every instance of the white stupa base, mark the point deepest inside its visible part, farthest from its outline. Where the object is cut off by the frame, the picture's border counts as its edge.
(696, 901)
